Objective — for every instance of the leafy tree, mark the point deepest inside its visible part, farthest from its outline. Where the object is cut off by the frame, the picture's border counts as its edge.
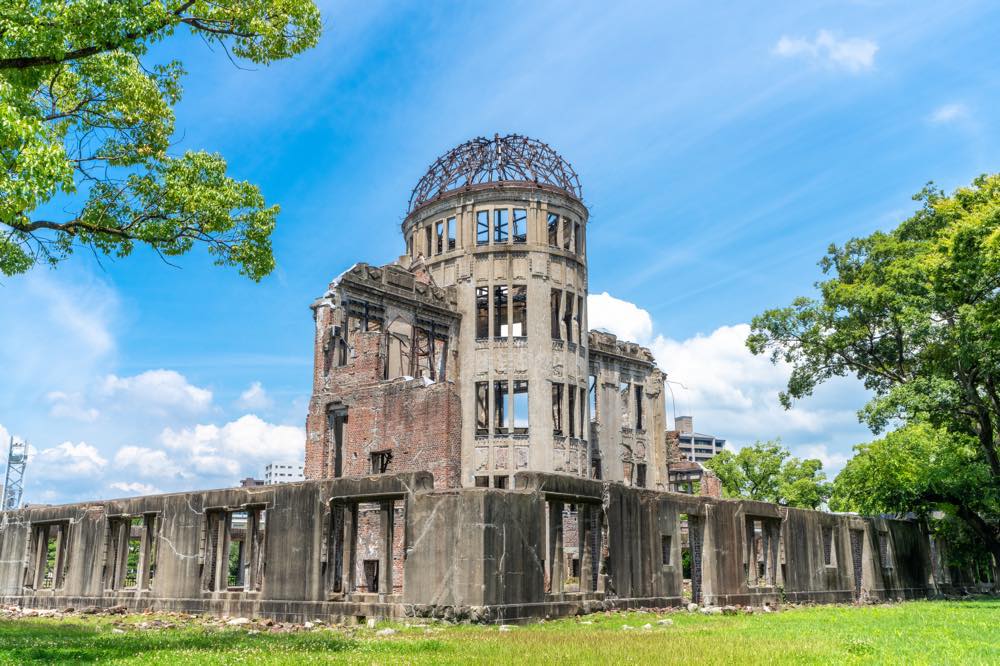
(766, 472)
(85, 121)
(915, 315)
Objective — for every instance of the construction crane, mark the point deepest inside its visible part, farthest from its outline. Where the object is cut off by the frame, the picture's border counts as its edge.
(13, 483)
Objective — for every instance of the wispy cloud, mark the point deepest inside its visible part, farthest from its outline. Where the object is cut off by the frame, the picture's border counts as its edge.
(853, 54)
(948, 114)
(255, 398)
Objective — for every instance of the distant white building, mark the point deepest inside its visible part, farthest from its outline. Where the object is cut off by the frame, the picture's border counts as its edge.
(283, 472)
(695, 446)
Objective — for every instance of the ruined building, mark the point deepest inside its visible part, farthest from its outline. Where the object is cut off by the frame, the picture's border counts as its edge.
(470, 356)
(473, 452)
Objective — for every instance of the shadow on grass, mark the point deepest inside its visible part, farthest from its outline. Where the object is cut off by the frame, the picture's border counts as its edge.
(28, 641)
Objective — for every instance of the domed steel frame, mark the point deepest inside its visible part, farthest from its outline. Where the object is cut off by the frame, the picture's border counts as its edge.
(511, 158)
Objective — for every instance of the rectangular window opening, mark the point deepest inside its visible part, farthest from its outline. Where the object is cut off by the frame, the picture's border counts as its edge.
(451, 233)
(577, 239)
(579, 319)
(519, 311)
(567, 233)
(554, 309)
(136, 528)
(557, 399)
(623, 392)
(500, 229)
(438, 237)
(568, 318)
(236, 552)
(427, 241)
(553, 229)
(582, 404)
(49, 557)
(640, 475)
(592, 397)
(483, 227)
(665, 548)
(482, 313)
(571, 411)
(520, 407)
(500, 328)
(520, 221)
(482, 408)
(152, 547)
(639, 422)
(482, 482)
(501, 426)
(371, 572)
(380, 461)
(500, 481)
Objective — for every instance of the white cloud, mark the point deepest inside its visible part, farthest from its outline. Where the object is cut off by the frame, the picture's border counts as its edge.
(156, 390)
(135, 488)
(733, 394)
(948, 114)
(71, 406)
(255, 397)
(56, 333)
(852, 53)
(624, 319)
(65, 461)
(147, 462)
(225, 450)
(830, 460)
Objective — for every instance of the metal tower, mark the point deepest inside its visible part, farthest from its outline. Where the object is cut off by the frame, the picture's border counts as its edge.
(13, 484)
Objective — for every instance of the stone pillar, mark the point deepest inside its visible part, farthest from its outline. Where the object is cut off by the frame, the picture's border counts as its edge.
(350, 539)
(386, 516)
(556, 575)
(586, 538)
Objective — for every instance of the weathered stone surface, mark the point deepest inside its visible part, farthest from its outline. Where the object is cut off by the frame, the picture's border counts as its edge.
(466, 555)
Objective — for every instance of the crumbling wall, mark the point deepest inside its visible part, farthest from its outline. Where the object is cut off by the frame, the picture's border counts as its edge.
(367, 414)
(475, 553)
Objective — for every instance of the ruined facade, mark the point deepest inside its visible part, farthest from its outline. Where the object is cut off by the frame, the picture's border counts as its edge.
(295, 551)
(470, 356)
(473, 452)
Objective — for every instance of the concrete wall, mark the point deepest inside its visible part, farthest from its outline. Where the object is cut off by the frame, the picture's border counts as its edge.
(477, 553)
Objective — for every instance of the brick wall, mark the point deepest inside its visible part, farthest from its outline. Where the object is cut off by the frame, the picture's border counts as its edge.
(711, 485)
(370, 544)
(419, 424)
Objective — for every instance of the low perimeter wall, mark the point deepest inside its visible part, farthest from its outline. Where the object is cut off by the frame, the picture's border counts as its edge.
(393, 546)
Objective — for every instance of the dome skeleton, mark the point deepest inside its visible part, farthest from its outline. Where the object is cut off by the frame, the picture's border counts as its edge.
(511, 158)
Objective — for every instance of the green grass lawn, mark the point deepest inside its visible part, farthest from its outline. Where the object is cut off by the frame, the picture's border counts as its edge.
(966, 632)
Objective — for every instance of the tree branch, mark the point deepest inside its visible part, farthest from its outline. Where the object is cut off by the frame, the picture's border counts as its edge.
(26, 62)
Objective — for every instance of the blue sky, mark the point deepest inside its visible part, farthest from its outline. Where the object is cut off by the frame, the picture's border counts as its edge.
(721, 150)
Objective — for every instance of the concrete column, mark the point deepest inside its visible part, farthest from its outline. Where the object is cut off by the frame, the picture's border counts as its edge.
(221, 557)
(587, 556)
(557, 577)
(41, 555)
(350, 538)
(601, 530)
(57, 580)
(386, 516)
(773, 536)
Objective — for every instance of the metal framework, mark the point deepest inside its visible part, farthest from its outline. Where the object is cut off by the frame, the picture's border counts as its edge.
(511, 158)
(13, 484)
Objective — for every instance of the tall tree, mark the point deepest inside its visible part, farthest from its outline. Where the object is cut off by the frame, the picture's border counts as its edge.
(84, 117)
(915, 315)
(767, 472)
